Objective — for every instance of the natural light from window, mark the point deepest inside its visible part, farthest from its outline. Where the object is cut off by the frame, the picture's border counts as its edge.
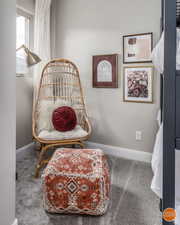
(22, 38)
(20, 31)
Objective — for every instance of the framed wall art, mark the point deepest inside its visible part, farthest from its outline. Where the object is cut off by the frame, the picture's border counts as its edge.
(138, 84)
(137, 48)
(105, 71)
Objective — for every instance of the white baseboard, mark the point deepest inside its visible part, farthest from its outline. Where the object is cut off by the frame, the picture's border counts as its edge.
(15, 222)
(108, 149)
(122, 152)
(21, 152)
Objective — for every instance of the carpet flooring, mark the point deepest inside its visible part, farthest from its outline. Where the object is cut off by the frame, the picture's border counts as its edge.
(132, 201)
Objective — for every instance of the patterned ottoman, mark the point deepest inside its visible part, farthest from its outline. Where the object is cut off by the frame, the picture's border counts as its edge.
(76, 181)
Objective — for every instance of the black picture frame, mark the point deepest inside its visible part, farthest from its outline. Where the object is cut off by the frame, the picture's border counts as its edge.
(150, 34)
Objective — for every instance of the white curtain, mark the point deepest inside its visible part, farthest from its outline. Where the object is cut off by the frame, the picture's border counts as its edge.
(41, 38)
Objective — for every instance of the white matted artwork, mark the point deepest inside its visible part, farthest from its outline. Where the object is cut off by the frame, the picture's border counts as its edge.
(137, 48)
(138, 84)
(104, 71)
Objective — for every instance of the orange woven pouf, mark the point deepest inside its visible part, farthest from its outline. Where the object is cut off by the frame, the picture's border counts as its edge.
(76, 181)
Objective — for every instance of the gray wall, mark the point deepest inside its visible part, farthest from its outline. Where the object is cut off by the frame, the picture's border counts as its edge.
(26, 4)
(7, 112)
(24, 95)
(24, 98)
(86, 28)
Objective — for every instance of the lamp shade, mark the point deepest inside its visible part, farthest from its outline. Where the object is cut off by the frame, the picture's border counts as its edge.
(32, 58)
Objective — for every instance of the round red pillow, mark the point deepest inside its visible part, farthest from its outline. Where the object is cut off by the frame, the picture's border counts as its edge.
(64, 118)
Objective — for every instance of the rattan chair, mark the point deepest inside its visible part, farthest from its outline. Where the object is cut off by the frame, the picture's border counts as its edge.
(60, 80)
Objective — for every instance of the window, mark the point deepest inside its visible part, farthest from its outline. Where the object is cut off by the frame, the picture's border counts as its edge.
(23, 37)
(22, 31)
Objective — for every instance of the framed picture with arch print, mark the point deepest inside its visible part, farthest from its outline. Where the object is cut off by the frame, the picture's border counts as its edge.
(105, 71)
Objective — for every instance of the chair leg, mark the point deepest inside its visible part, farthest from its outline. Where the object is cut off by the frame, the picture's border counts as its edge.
(40, 160)
(39, 147)
(38, 167)
(81, 145)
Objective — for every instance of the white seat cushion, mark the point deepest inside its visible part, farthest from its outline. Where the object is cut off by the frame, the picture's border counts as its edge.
(77, 132)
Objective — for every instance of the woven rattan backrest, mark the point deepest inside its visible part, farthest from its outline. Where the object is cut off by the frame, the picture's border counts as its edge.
(60, 81)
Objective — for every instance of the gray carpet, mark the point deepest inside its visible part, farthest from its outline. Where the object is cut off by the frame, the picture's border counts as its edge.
(132, 201)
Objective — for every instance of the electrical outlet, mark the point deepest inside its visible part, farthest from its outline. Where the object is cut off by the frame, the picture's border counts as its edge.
(138, 135)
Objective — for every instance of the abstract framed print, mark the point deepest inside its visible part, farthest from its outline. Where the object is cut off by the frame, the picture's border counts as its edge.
(138, 82)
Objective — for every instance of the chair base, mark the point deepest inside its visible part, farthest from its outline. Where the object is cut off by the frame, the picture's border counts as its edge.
(45, 147)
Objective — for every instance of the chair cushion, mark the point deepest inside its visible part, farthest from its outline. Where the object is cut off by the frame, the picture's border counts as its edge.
(77, 132)
(46, 109)
(64, 118)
